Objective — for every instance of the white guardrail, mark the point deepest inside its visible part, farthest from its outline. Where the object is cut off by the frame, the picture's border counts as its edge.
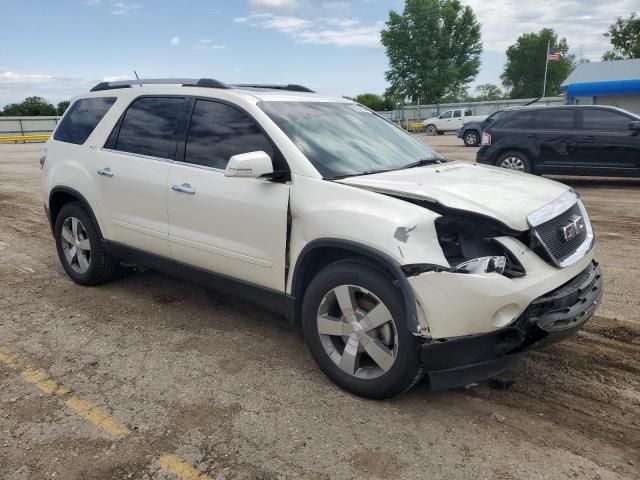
(26, 129)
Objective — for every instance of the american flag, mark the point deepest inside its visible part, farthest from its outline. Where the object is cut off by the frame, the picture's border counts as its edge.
(553, 56)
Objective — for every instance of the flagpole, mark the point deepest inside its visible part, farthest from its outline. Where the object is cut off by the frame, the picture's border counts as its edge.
(546, 67)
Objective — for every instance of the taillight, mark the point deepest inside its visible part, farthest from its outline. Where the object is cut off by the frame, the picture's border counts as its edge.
(43, 158)
(486, 138)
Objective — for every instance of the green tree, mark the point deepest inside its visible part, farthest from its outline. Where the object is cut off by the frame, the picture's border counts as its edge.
(433, 49)
(624, 35)
(378, 103)
(524, 70)
(31, 106)
(62, 107)
(488, 91)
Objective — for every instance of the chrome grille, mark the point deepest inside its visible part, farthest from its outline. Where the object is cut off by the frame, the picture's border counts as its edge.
(550, 233)
(547, 228)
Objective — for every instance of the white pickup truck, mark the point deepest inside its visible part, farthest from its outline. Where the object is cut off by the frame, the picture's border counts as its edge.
(451, 121)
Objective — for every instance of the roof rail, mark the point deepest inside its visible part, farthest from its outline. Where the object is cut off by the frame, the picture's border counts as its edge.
(290, 87)
(186, 82)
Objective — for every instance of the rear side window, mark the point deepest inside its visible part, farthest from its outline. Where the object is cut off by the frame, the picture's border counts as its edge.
(516, 120)
(457, 113)
(82, 119)
(217, 132)
(594, 119)
(556, 120)
(149, 127)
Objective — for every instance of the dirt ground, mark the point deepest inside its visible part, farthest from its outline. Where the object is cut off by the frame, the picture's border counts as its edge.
(152, 377)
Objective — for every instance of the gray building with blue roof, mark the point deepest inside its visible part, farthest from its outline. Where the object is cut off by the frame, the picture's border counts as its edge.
(614, 83)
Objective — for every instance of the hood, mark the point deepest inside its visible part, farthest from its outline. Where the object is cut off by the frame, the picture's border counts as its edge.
(505, 195)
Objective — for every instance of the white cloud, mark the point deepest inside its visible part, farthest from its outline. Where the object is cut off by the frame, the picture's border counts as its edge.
(341, 32)
(208, 44)
(92, 3)
(175, 41)
(582, 22)
(124, 8)
(274, 4)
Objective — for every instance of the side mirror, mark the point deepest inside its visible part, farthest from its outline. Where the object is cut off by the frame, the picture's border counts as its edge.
(634, 125)
(249, 165)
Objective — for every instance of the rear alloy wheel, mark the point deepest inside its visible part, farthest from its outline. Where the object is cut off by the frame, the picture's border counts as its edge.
(80, 250)
(354, 325)
(471, 138)
(431, 130)
(514, 161)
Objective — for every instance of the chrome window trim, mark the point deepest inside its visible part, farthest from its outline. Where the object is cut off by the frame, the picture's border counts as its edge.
(201, 167)
(552, 210)
(137, 155)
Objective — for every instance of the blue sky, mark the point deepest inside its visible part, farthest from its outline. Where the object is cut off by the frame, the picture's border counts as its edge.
(58, 49)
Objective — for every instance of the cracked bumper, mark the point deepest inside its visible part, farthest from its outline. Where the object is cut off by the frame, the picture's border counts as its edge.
(550, 318)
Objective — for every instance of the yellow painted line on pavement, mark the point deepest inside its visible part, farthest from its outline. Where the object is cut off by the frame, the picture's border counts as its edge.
(177, 466)
(97, 416)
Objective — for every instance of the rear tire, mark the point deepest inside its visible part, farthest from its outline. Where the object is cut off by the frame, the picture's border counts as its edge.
(514, 161)
(440, 132)
(471, 138)
(79, 248)
(355, 327)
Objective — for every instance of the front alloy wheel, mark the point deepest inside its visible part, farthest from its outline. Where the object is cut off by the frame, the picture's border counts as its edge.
(355, 326)
(357, 331)
(471, 139)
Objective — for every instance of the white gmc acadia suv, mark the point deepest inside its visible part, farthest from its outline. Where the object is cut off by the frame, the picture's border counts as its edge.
(396, 262)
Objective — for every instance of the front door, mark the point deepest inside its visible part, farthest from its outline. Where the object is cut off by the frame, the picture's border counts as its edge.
(131, 174)
(606, 146)
(231, 226)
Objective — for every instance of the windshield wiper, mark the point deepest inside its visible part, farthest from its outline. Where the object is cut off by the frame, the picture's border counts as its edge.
(366, 172)
(422, 162)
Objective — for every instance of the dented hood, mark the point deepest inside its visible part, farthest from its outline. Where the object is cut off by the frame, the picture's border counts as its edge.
(505, 195)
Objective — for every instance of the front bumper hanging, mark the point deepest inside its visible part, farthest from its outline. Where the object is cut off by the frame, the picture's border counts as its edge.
(548, 319)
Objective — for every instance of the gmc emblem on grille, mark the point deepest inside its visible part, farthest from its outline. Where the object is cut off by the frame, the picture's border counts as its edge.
(573, 228)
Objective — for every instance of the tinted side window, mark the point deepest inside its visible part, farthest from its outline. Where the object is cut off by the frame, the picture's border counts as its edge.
(457, 113)
(82, 118)
(556, 120)
(516, 120)
(468, 112)
(593, 119)
(149, 127)
(217, 132)
(446, 114)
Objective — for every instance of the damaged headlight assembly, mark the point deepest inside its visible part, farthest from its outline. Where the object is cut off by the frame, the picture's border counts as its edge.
(469, 245)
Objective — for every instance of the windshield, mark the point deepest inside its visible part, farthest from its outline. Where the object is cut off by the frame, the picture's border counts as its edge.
(343, 139)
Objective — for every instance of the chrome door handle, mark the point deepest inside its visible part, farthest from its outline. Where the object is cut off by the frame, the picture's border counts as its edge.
(184, 188)
(105, 172)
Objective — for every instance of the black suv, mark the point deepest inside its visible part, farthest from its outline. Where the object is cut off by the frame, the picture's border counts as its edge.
(565, 140)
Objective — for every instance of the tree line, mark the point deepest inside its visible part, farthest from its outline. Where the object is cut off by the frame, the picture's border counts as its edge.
(434, 49)
(34, 107)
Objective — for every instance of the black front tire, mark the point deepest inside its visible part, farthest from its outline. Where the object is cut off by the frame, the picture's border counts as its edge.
(471, 138)
(101, 267)
(406, 369)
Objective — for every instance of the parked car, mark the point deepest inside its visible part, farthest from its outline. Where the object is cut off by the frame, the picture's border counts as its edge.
(565, 140)
(450, 121)
(396, 263)
(471, 132)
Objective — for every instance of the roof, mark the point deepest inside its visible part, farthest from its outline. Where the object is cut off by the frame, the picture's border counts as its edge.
(614, 71)
(209, 87)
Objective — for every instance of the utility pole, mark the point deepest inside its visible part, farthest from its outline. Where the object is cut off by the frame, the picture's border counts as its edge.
(546, 67)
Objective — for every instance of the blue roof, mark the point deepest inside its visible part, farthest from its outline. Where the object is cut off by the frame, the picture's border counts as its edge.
(619, 77)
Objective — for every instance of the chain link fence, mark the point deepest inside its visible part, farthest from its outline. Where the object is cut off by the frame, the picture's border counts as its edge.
(24, 126)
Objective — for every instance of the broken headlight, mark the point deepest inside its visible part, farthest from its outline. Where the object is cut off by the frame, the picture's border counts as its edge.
(469, 246)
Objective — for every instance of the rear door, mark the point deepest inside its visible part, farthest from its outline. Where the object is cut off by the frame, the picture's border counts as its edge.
(132, 171)
(606, 146)
(553, 140)
(457, 120)
(231, 226)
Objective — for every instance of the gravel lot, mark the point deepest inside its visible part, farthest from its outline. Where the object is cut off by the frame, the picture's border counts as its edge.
(152, 377)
